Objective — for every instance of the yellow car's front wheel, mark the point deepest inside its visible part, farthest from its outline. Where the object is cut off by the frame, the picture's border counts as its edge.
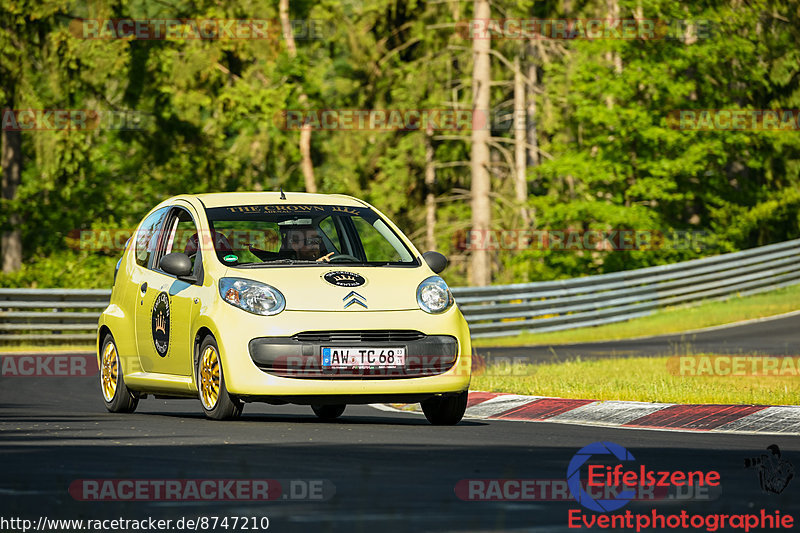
(217, 403)
(117, 397)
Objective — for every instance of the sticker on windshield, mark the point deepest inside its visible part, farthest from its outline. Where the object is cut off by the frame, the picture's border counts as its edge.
(293, 210)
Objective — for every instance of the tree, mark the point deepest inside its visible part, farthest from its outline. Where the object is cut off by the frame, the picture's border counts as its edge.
(602, 150)
(11, 244)
(520, 143)
(305, 132)
(11, 143)
(481, 182)
(21, 25)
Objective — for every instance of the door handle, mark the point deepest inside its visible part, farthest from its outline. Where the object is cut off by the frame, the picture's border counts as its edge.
(143, 288)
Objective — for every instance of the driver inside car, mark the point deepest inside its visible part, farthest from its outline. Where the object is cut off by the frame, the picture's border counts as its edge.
(221, 243)
(306, 244)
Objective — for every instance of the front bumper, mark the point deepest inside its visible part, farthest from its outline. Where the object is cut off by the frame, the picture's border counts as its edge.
(249, 352)
(296, 357)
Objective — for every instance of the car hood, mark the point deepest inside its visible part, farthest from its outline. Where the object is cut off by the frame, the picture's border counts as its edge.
(307, 289)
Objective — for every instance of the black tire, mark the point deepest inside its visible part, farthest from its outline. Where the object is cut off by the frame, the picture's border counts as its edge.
(445, 410)
(123, 400)
(226, 406)
(329, 412)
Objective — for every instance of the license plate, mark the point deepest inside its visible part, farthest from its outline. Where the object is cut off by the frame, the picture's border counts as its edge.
(347, 357)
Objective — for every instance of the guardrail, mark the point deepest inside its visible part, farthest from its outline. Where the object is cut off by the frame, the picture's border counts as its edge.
(59, 316)
(502, 310)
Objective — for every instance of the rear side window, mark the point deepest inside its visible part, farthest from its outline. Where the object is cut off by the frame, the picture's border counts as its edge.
(147, 236)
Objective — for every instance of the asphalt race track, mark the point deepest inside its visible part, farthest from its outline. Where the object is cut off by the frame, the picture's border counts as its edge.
(778, 336)
(390, 471)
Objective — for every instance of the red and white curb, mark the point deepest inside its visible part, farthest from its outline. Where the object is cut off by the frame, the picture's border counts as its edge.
(782, 420)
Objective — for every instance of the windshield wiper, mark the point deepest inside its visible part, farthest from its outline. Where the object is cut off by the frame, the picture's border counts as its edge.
(279, 262)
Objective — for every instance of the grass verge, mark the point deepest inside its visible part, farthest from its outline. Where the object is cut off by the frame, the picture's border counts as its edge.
(645, 379)
(670, 320)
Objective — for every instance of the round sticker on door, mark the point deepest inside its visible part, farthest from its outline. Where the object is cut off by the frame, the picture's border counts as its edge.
(161, 321)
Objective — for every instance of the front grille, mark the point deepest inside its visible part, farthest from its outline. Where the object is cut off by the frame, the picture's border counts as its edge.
(291, 357)
(357, 336)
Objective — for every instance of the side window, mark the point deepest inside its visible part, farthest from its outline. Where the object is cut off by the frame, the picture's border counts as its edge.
(328, 228)
(147, 237)
(376, 247)
(182, 235)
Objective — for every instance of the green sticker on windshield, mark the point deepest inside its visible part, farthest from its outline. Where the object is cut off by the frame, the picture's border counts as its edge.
(230, 257)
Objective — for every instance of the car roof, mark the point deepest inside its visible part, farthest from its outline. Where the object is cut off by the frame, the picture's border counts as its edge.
(223, 199)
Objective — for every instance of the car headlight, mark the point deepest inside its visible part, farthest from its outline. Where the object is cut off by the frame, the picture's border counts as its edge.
(433, 295)
(252, 296)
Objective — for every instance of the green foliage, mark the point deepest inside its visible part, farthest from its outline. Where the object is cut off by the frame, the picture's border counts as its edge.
(209, 108)
(64, 269)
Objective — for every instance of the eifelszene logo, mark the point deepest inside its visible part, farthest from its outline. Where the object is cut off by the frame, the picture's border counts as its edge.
(620, 481)
(161, 324)
(600, 475)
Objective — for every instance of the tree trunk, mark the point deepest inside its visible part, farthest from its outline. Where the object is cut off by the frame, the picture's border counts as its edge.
(520, 155)
(532, 117)
(11, 240)
(306, 165)
(613, 57)
(481, 207)
(430, 196)
(533, 141)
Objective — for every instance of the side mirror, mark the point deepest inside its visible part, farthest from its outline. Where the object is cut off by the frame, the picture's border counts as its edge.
(435, 260)
(179, 265)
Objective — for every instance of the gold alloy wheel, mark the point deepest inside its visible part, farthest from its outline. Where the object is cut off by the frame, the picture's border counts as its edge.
(209, 378)
(109, 372)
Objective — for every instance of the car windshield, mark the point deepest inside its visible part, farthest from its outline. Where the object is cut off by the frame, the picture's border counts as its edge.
(263, 235)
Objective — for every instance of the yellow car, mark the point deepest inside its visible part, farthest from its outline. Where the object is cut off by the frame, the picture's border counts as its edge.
(281, 298)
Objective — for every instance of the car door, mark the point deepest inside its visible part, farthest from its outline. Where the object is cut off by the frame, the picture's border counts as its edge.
(169, 306)
(143, 279)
